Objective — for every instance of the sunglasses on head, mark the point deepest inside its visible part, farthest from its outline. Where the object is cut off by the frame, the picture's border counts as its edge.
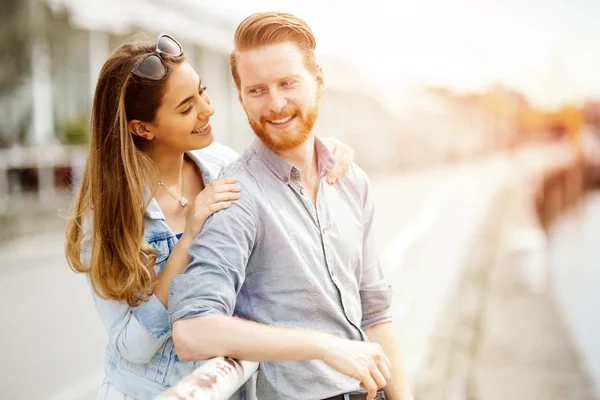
(152, 66)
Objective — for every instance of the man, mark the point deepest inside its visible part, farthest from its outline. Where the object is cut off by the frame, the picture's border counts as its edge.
(294, 255)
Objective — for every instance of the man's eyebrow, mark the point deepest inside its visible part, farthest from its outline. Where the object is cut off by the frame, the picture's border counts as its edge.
(250, 87)
(293, 76)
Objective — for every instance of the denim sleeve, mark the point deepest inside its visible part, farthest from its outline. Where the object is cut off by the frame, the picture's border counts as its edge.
(135, 333)
(217, 268)
(375, 291)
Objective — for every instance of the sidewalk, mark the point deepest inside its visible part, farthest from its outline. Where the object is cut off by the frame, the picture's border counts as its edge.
(502, 336)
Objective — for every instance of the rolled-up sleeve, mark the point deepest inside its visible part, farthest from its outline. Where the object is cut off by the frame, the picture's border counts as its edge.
(153, 317)
(135, 333)
(217, 268)
(375, 290)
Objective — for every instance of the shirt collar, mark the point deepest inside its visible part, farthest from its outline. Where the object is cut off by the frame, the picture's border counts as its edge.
(285, 170)
(152, 211)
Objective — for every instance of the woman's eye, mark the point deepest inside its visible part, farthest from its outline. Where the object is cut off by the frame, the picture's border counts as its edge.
(187, 111)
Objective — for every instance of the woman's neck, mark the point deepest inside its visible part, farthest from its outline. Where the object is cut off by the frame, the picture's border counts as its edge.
(170, 167)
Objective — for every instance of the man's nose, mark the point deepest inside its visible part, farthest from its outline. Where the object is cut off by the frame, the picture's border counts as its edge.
(277, 102)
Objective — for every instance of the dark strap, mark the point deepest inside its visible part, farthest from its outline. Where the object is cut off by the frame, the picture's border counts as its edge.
(358, 396)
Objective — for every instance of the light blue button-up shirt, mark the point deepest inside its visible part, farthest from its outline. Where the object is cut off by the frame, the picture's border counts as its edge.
(275, 258)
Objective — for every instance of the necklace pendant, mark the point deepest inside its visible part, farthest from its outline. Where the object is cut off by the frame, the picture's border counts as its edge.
(184, 202)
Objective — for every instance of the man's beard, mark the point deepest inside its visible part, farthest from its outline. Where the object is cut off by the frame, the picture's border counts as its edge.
(285, 140)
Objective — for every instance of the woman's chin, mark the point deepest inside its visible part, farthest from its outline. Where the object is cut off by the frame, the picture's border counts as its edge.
(203, 141)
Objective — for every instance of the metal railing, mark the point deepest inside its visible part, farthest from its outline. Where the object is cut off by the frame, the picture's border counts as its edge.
(218, 378)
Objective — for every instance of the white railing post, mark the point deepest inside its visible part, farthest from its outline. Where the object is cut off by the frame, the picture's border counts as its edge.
(217, 379)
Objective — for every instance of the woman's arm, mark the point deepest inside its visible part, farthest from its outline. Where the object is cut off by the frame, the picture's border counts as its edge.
(216, 196)
(176, 263)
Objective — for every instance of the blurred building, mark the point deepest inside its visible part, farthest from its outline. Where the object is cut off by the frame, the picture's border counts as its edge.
(77, 38)
(442, 125)
(591, 115)
(79, 35)
(71, 39)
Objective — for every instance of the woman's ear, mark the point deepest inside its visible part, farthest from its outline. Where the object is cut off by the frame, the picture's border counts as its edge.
(140, 129)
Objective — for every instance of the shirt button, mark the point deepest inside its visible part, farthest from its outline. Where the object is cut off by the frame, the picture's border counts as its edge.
(286, 179)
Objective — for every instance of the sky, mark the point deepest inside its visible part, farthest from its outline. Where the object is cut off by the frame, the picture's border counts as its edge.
(547, 49)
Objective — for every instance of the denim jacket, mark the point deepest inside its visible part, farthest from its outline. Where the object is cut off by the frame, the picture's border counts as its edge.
(140, 357)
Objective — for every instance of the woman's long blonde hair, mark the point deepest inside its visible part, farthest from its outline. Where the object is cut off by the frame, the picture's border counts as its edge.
(118, 177)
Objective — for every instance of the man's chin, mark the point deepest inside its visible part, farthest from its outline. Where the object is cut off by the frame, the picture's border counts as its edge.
(286, 144)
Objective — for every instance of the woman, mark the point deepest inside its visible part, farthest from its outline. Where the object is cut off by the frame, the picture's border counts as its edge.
(146, 191)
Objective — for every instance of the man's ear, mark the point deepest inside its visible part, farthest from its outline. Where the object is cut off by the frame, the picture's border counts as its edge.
(320, 82)
(241, 101)
(140, 129)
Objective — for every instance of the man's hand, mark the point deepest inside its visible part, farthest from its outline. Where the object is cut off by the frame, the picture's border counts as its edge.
(397, 387)
(363, 361)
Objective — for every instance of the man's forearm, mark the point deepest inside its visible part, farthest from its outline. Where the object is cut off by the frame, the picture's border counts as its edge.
(397, 387)
(220, 335)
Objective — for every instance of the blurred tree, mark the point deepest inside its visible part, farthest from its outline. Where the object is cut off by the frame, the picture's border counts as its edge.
(15, 68)
(15, 36)
(75, 131)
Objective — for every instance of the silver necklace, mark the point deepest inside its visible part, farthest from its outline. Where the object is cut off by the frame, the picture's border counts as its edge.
(182, 199)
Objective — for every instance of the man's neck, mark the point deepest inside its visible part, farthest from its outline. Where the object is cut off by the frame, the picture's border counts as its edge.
(304, 159)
